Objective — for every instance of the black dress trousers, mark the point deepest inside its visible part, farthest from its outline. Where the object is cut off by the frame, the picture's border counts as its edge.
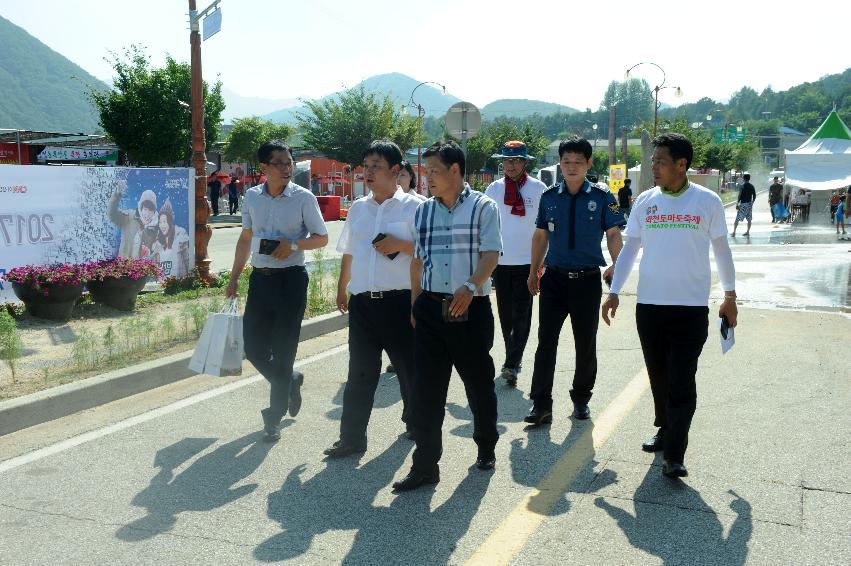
(438, 346)
(375, 324)
(271, 326)
(514, 305)
(579, 298)
(672, 338)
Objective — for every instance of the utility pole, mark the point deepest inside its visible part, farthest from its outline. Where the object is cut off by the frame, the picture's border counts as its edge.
(199, 155)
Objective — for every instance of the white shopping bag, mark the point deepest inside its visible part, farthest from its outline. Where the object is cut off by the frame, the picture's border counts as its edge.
(222, 353)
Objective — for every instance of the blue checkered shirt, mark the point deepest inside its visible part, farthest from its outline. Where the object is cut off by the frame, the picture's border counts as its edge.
(449, 240)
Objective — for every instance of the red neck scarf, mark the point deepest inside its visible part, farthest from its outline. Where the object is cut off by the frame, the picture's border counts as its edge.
(513, 198)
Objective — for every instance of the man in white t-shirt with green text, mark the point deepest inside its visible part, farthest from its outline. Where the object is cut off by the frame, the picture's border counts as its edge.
(675, 223)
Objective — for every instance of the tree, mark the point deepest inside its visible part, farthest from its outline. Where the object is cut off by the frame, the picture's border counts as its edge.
(343, 126)
(491, 138)
(248, 134)
(143, 114)
(633, 100)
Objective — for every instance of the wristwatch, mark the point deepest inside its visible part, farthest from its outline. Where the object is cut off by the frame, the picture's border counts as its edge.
(471, 286)
(294, 245)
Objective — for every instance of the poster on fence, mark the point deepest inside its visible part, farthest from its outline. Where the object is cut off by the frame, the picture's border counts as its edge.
(81, 214)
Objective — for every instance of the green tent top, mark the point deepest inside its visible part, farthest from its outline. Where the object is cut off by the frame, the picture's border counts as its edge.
(832, 128)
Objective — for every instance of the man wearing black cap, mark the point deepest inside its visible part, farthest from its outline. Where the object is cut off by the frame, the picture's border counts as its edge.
(517, 196)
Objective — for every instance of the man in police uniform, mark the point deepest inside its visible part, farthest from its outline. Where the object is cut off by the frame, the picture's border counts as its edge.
(572, 218)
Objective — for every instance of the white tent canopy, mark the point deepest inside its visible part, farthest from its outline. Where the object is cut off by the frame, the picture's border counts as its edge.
(823, 162)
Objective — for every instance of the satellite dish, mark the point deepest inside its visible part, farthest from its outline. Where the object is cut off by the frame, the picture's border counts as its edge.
(463, 120)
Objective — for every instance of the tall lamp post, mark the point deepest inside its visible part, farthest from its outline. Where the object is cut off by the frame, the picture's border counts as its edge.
(627, 75)
(420, 113)
(199, 157)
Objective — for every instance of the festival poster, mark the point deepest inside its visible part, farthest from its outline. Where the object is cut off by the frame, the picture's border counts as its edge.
(81, 214)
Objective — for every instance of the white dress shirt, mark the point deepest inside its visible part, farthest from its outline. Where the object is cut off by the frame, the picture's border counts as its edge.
(371, 270)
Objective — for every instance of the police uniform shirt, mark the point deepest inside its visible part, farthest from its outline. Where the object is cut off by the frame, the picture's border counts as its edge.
(575, 224)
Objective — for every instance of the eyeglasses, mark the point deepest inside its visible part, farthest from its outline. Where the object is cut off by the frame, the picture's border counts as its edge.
(281, 164)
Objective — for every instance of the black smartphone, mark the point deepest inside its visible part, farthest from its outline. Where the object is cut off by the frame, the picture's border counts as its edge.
(380, 237)
(448, 317)
(725, 326)
(268, 246)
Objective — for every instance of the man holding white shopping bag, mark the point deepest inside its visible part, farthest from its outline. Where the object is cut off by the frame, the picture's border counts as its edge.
(280, 220)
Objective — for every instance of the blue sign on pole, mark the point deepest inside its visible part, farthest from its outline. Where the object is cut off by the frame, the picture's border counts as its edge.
(213, 23)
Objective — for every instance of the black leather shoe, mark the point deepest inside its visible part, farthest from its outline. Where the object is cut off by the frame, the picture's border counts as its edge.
(510, 376)
(673, 469)
(295, 393)
(654, 444)
(271, 428)
(539, 416)
(486, 462)
(341, 450)
(414, 480)
(581, 411)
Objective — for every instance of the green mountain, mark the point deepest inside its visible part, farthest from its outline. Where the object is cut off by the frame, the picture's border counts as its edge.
(522, 108)
(41, 89)
(397, 86)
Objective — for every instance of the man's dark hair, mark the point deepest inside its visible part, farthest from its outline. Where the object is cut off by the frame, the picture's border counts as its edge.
(449, 153)
(575, 144)
(777, 178)
(627, 182)
(412, 184)
(678, 146)
(386, 149)
(148, 204)
(747, 177)
(264, 154)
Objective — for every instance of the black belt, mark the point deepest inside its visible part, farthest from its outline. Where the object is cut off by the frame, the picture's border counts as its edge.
(274, 270)
(574, 273)
(383, 294)
(440, 296)
(436, 296)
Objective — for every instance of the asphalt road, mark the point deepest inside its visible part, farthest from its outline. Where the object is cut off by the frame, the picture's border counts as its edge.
(180, 475)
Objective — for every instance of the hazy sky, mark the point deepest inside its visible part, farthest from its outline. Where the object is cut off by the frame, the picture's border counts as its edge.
(553, 50)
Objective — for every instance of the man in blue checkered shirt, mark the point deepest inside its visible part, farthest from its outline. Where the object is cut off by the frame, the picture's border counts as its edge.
(457, 244)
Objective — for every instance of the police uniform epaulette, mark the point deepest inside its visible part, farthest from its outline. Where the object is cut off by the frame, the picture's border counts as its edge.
(598, 187)
(553, 186)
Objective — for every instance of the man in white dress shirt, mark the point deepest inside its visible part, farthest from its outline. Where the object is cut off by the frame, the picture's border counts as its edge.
(375, 288)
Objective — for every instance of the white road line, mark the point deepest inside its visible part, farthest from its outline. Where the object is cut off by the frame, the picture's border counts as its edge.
(41, 453)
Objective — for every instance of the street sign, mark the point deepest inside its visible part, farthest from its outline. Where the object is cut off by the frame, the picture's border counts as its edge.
(732, 134)
(463, 120)
(213, 24)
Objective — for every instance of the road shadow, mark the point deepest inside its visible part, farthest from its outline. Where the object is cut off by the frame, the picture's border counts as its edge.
(205, 485)
(673, 522)
(542, 463)
(387, 394)
(340, 498)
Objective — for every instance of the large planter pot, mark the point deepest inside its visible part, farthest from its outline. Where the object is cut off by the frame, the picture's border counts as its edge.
(118, 292)
(57, 304)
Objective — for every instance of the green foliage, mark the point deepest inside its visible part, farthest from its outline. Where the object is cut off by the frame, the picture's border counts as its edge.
(491, 138)
(633, 100)
(41, 89)
(248, 134)
(142, 112)
(600, 159)
(11, 346)
(85, 351)
(342, 126)
(109, 341)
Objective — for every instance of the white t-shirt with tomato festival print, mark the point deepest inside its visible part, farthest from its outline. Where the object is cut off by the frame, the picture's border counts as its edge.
(675, 232)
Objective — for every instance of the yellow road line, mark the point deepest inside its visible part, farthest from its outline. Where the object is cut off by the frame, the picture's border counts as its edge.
(509, 538)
